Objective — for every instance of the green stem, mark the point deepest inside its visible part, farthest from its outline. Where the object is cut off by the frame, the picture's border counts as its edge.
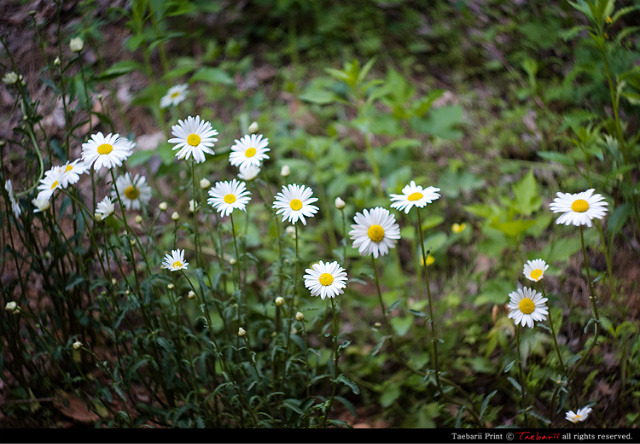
(335, 361)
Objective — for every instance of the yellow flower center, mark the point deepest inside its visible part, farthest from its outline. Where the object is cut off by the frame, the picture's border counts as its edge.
(175, 94)
(295, 204)
(250, 152)
(193, 140)
(54, 184)
(325, 279)
(536, 274)
(376, 233)
(527, 306)
(430, 260)
(415, 196)
(230, 198)
(458, 228)
(580, 206)
(131, 192)
(105, 148)
(578, 416)
(68, 168)
(177, 264)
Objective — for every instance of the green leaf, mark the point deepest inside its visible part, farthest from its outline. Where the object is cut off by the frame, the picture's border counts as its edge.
(526, 195)
(349, 383)
(119, 69)
(213, 76)
(485, 403)
(318, 96)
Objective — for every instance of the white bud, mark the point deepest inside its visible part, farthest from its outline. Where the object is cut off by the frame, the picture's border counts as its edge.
(171, 286)
(285, 171)
(191, 294)
(299, 316)
(11, 306)
(57, 61)
(162, 206)
(175, 215)
(291, 231)
(204, 183)
(77, 345)
(76, 44)
(138, 219)
(192, 206)
(10, 78)
(339, 203)
(241, 332)
(279, 301)
(253, 128)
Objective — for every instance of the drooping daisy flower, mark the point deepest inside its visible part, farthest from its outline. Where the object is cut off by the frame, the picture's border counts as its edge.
(534, 270)
(580, 416)
(294, 203)
(325, 279)
(248, 171)
(375, 231)
(70, 172)
(579, 208)
(133, 193)
(174, 96)
(175, 261)
(41, 202)
(51, 182)
(106, 151)
(15, 207)
(250, 150)
(193, 137)
(527, 306)
(105, 208)
(227, 196)
(414, 195)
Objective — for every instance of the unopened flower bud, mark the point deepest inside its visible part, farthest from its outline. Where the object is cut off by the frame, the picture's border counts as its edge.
(162, 206)
(57, 61)
(279, 301)
(241, 332)
(299, 316)
(76, 44)
(285, 171)
(253, 128)
(171, 286)
(191, 294)
(175, 215)
(204, 183)
(11, 306)
(10, 78)
(138, 219)
(291, 231)
(339, 203)
(77, 345)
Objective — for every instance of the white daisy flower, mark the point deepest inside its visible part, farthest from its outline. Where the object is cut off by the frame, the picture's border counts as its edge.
(294, 202)
(248, 171)
(134, 193)
(51, 182)
(41, 202)
(175, 261)
(527, 306)
(375, 231)
(325, 279)
(106, 151)
(250, 150)
(579, 208)
(227, 196)
(15, 207)
(174, 96)
(70, 172)
(105, 208)
(534, 270)
(193, 136)
(414, 195)
(580, 416)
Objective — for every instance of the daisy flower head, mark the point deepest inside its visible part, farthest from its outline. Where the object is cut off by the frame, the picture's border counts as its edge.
(105, 208)
(15, 207)
(41, 202)
(250, 150)
(325, 279)
(51, 182)
(134, 193)
(580, 416)
(70, 172)
(248, 171)
(527, 306)
(175, 261)
(193, 137)
(534, 270)
(375, 231)
(414, 195)
(227, 196)
(579, 209)
(106, 151)
(174, 96)
(294, 203)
